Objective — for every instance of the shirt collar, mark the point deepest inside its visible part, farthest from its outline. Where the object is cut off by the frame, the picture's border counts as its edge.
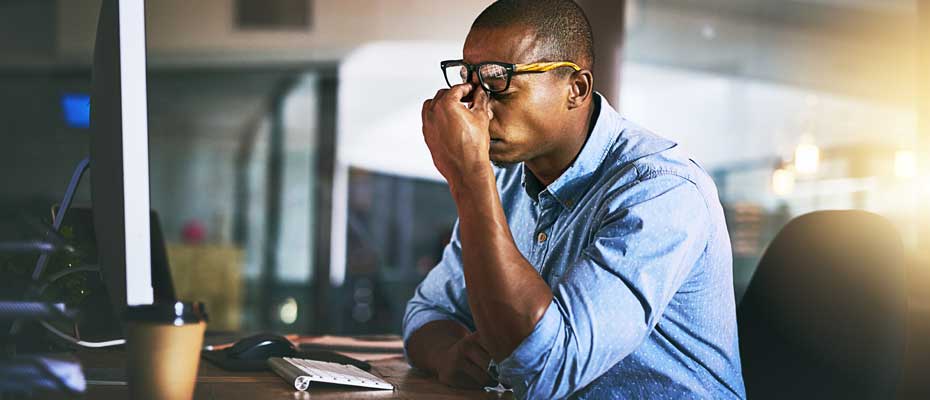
(609, 126)
(568, 186)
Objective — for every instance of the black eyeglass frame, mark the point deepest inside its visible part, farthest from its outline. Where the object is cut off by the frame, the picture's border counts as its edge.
(511, 69)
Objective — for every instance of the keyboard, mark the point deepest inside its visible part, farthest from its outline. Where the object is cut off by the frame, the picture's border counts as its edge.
(300, 372)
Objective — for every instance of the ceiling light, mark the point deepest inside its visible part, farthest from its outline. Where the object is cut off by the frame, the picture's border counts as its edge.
(806, 158)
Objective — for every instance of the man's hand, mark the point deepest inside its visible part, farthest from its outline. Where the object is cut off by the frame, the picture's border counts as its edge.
(465, 364)
(457, 136)
(448, 350)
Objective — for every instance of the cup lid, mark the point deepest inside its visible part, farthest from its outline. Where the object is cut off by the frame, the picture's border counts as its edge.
(178, 313)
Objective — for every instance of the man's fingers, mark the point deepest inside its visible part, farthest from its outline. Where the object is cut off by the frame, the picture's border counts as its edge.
(477, 354)
(481, 104)
(476, 373)
(426, 107)
(440, 93)
(457, 92)
(481, 361)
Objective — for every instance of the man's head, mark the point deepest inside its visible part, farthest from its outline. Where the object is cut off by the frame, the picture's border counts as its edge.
(540, 113)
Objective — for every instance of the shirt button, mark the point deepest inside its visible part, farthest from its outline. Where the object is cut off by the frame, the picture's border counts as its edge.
(569, 203)
(541, 237)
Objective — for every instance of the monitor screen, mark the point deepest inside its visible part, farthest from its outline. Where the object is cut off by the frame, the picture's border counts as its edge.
(119, 153)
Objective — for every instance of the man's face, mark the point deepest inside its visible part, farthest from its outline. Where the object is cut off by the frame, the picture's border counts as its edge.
(529, 118)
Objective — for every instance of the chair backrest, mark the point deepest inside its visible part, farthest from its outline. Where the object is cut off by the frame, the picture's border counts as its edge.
(825, 315)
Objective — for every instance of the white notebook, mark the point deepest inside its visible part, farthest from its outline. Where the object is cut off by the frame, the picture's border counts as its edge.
(301, 372)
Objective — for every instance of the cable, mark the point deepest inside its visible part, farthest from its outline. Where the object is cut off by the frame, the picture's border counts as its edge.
(26, 247)
(70, 339)
(62, 210)
(61, 274)
(15, 309)
(63, 207)
(66, 337)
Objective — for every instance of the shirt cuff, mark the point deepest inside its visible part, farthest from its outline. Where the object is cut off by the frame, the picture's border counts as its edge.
(531, 355)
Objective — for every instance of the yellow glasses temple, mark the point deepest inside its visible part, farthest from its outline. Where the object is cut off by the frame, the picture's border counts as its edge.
(545, 66)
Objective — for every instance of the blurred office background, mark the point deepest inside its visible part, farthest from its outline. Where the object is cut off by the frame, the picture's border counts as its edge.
(289, 172)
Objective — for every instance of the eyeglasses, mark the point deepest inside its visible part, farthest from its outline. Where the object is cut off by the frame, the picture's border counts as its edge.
(495, 76)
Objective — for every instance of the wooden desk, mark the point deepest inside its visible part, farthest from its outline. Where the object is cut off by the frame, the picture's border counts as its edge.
(215, 383)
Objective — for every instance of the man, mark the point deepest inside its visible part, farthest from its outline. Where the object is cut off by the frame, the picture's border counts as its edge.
(594, 262)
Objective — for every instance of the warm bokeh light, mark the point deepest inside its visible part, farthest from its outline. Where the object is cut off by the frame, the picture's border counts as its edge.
(806, 158)
(905, 164)
(288, 311)
(923, 190)
(782, 182)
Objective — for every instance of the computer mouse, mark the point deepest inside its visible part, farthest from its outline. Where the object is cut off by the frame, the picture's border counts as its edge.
(261, 347)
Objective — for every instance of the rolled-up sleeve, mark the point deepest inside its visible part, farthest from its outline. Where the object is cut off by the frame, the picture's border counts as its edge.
(441, 295)
(610, 299)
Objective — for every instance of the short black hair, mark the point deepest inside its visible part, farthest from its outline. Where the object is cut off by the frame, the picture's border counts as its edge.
(561, 26)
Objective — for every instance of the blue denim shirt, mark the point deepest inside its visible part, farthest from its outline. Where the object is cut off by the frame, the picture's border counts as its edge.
(632, 241)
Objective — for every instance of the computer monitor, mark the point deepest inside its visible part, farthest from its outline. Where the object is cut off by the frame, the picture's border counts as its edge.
(119, 154)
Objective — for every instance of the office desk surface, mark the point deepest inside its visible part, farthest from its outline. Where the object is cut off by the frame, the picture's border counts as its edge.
(105, 371)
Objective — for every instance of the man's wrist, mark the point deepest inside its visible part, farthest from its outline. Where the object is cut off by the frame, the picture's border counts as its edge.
(473, 181)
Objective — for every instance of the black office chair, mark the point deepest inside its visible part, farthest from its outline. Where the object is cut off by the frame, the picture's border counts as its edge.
(825, 314)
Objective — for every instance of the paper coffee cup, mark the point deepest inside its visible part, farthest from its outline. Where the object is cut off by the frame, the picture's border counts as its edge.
(163, 344)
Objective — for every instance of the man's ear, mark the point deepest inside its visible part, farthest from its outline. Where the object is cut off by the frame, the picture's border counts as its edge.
(582, 88)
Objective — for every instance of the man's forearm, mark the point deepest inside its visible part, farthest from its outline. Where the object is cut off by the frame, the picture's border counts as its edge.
(506, 295)
(431, 339)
